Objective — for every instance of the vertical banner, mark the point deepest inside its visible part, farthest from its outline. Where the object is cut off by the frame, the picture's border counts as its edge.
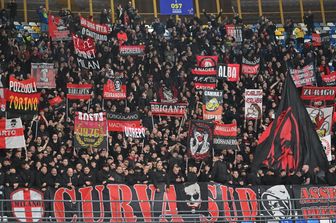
(200, 138)
(115, 89)
(225, 136)
(58, 29)
(229, 72)
(322, 119)
(212, 105)
(86, 53)
(303, 77)
(11, 134)
(2, 102)
(44, 74)
(235, 31)
(90, 130)
(326, 143)
(253, 103)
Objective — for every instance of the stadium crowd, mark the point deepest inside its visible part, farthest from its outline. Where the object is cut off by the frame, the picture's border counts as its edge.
(171, 47)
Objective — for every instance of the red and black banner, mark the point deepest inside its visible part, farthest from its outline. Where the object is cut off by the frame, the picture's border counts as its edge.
(207, 61)
(168, 94)
(79, 91)
(58, 29)
(115, 89)
(189, 202)
(200, 138)
(90, 130)
(290, 141)
(250, 66)
(204, 78)
(235, 31)
(133, 50)
(22, 96)
(212, 105)
(168, 109)
(225, 136)
(94, 30)
(85, 53)
(330, 79)
(44, 74)
(116, 122)
(57, 103)
(229, 72)
(303, 77)
(318, 96)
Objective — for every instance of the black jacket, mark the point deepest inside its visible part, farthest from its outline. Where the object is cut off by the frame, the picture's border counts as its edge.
(219, 172)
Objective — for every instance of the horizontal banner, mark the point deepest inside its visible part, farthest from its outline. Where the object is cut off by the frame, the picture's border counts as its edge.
(79, 91)
(132, 50)
(168, 109)
(199, 202)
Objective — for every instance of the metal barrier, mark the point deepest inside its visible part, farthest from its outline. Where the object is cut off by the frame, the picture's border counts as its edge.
(75, 212)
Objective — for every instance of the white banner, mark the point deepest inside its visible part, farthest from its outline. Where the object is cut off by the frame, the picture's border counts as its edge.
(326, 143)
(253, 103)
(322, 119)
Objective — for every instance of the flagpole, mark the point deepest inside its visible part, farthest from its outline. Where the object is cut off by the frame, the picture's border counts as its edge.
(152, 122)
(67, 109)
(89, 105)
(107, 137)
(103, 105)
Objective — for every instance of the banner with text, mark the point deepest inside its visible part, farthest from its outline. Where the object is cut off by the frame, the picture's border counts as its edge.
(85, 53)
(115, 89)
(229, 72)
(303, 77)
(94, 30)
(250, 66)
(79, 91)
(168, 109)
(253, 103)
(116, 122)
(212, 105)
(44, 74)
(225, 136)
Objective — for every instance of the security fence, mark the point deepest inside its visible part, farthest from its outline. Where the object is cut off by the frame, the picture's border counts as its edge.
(277, 10)
(193, 202)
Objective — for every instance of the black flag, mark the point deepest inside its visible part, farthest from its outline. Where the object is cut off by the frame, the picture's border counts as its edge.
(291, 140)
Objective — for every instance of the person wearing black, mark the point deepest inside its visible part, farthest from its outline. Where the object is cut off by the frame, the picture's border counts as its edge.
(69, 180)
(294, 178)
(331, 176)
(309, 22)
(205, 175)
(219, 172)
(192, 175)
(12, 179)
(306, 175)
(158, 175)
(42, 178)
(26, 176)
(118, 175)
(87, 178)
(12, 6)
(271, 178)
(105, 175)
(175, 176)
(318, 176)
(54, 180)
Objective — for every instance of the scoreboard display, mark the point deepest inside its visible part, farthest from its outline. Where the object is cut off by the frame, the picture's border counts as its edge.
(176, 7)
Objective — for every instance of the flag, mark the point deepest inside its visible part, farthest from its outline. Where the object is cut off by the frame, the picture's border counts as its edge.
(116, 122)
(44, 74)
(79, 91)
(225, 136)
(57, 28)
(322, 118)
(326, 143)
(22, 97)
(229, 72)
(115, 89)
(235, 31)
(136, 133)
(168, 109)
(207, 61)
(212, 105)
(2, 102)
(204, 78)
(253, 103)
(57, 103)
(318, 96)
(85, 53)
(304, 76)
(11, 134)
(133, 50)
(200, 138)
(90, 130)
(250, 66)
(330, 79)
(291, 140)
(94, 30)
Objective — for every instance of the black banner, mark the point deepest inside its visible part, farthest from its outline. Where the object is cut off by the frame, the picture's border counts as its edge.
(200, 139)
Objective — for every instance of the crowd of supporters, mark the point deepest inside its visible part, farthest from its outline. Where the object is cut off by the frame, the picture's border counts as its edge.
(171, 47)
